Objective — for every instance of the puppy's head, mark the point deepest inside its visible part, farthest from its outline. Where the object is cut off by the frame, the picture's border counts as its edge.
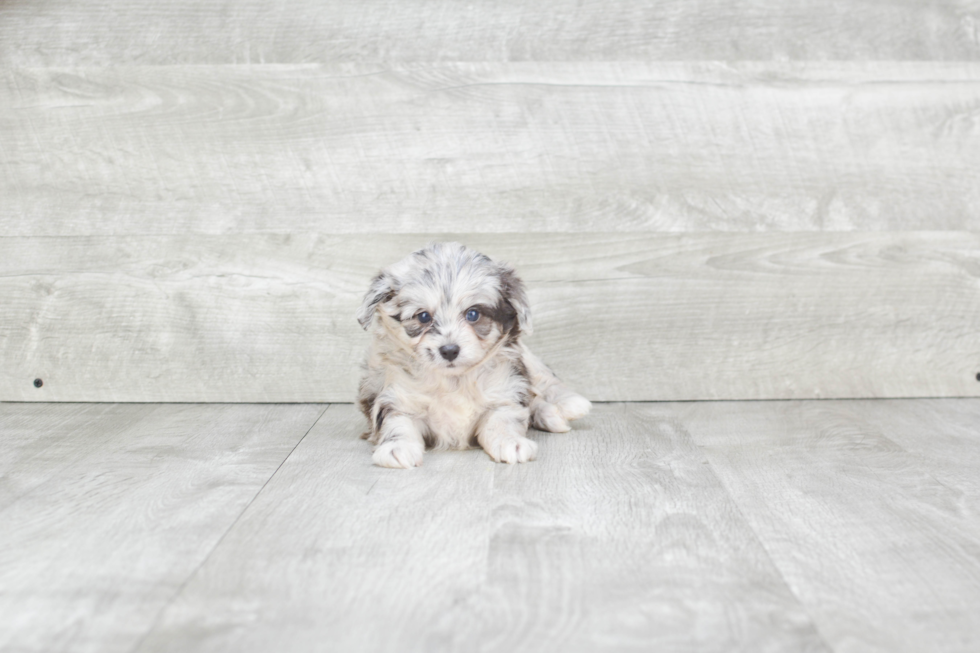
(448, 304)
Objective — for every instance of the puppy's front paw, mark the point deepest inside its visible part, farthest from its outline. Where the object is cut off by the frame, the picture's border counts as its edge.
(398, 454)
(514, 449)
(574, 406)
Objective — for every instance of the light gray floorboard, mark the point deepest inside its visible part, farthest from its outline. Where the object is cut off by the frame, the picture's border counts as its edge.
(618, 316)
(60, 32)
(618, 538)
(832, 525)
(459, 147)
(41, 443)
(107, 509)
(870, 509)
(337, 554)
(621, 538)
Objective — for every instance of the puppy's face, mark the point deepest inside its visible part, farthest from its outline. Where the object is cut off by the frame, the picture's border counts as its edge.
(447, 304)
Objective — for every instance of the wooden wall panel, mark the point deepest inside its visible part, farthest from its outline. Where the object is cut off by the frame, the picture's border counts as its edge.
(193, 195)
(620, 316)
(60, 32)
(489, 147)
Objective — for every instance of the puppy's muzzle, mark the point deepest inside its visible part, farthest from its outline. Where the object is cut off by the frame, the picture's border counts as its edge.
(449, 352)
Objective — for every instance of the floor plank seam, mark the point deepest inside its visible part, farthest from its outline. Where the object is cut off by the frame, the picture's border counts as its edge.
(765, 549)
(217, 544)
(14, 402)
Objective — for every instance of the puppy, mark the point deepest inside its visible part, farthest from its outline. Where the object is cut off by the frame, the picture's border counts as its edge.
(446, 368)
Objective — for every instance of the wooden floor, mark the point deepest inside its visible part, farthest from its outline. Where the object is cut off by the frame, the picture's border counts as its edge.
(757, 526)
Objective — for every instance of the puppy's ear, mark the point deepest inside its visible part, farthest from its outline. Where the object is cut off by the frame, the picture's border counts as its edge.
(381, 291)
(512, 289)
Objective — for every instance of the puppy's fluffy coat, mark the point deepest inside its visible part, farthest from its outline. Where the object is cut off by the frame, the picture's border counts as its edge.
(446, 368)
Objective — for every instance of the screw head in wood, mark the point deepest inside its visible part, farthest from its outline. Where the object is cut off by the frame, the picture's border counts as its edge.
(38, 383)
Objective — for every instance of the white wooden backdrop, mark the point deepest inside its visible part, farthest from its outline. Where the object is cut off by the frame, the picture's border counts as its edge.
(716, 200)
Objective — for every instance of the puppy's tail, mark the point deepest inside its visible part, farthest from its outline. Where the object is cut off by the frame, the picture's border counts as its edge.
(553, 404)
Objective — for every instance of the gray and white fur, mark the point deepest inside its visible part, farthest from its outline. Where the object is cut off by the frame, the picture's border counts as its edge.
(446, 368)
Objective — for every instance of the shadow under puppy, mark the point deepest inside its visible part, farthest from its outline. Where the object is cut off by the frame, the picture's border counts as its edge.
(446, 368)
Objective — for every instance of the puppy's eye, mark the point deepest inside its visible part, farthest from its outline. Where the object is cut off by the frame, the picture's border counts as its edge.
(424, 317)
(472, 315)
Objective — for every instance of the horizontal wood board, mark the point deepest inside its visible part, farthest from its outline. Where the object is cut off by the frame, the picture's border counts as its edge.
(870, 509)
(108, 509)
(618, 316)
(489, 147)
(60, 32)
(619, 537)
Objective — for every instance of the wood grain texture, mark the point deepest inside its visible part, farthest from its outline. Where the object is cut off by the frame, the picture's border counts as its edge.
(514, 147)
(337, 554)
(618, 538)
(870, 509)
(35, 440)
(108, 509)
(621, 538)
(618, 316)
(696, 526)
(59, 32)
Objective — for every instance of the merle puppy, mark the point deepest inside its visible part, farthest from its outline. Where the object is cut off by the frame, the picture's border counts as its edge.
(446, 368)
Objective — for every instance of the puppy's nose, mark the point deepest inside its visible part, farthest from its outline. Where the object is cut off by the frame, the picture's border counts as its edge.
(449, 352)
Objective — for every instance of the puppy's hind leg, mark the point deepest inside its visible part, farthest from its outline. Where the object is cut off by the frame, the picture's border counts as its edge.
(503, 435)
(545, 416)
(570, 404)
(554, 404)
(399, 443)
